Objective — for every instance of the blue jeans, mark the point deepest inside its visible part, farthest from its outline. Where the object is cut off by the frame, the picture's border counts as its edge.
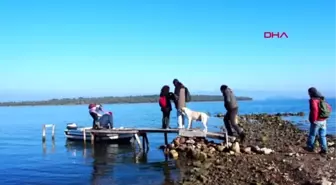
(106, 120)
(320, 128)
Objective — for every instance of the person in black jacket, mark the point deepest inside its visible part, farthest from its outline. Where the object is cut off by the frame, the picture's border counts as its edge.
(231, 106)
(165, 104)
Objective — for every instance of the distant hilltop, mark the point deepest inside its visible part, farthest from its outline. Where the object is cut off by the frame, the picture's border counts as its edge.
(113, 100)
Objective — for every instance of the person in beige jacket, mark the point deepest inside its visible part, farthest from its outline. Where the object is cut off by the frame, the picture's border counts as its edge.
(181, 97)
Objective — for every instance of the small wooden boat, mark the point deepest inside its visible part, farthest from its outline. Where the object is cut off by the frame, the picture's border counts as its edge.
(73, 132)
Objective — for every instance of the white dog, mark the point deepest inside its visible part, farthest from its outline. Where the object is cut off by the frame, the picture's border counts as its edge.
(196, 116)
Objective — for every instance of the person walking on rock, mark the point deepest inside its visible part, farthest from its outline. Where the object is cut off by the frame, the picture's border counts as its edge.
(319, 113)
(231, 106)
(182, 96)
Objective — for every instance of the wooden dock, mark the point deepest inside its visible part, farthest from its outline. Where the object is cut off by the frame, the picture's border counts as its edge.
(142, 132)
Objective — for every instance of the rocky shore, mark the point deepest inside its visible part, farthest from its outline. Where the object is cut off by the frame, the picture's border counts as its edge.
(273, 153)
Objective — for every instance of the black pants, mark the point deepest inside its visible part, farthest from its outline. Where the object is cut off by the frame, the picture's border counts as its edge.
(230, 121)
(95, 119)
(165, 119)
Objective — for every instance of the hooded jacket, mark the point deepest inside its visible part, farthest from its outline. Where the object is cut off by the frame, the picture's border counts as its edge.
(314, 101)
(164, 101)
(180, 95)
(230, 101)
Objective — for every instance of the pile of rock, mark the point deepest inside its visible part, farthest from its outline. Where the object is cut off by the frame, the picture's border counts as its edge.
(202, 149)
(205, 162)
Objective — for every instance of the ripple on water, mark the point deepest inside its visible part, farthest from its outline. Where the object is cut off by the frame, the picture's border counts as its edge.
(24, 160)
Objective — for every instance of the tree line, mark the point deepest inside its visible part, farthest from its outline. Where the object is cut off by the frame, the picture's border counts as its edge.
(112, 100)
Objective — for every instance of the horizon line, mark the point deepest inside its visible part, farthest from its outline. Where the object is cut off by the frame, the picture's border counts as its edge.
(97, 97)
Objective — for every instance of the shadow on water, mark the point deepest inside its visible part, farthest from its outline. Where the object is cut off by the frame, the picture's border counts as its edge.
(109, 158)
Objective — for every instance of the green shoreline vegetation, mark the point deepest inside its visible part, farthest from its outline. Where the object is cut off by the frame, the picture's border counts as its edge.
(112, 100)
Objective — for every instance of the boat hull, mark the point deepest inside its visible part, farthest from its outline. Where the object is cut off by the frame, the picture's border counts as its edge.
(77, 135)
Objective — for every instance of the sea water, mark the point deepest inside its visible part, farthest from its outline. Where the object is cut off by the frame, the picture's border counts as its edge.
(25, 160)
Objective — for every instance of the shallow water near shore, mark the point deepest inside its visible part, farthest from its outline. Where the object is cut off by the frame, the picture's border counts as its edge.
(24, 160)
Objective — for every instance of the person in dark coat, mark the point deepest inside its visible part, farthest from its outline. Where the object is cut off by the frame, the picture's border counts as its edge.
(182, 96)
(231, 106)
(165, 104)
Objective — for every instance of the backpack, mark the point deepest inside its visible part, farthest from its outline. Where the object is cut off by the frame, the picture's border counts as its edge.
(162, 102)
(187, 95)
(324, 109)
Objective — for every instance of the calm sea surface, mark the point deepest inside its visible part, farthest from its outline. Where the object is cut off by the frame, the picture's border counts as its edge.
(24, 160)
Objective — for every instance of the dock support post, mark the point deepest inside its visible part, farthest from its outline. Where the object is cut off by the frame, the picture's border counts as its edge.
(53, 146)
(84, 151)
(146, 141)
(92, 138)
(53, 132)
(143, 141)
(43, 133)
(84, 136)
(226, 139)
(138, 140)
(166, 138)
(44, 148)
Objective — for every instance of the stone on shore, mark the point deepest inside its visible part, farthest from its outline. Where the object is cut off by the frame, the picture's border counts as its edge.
(235, 147)
(173, 154)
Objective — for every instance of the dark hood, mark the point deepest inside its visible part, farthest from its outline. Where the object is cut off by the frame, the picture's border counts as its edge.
(178, 83)
(314, 93)
(164, 90)
(175, 81)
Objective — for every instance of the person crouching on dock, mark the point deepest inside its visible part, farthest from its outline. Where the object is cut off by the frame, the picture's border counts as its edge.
(165, 104)
(101, 119)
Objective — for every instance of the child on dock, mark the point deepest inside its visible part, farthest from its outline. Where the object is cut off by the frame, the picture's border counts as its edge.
(165, 104)
(101, 119)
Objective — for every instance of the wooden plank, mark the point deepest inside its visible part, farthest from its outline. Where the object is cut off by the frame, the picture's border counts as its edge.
(110, 131)
(49, 125)
(222, 136)
(214, 135)
(134, 131)
(158, 130)
(144, 131)
(191, 133)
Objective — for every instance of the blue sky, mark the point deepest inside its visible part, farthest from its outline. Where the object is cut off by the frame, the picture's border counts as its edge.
(92, 48)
